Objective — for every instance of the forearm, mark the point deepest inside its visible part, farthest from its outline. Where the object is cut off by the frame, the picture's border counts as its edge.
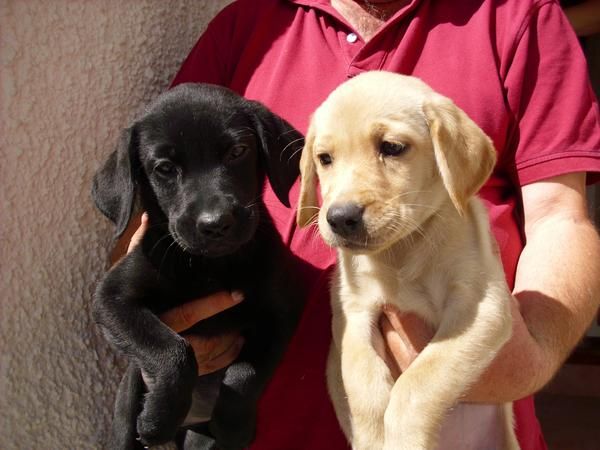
(557, 293)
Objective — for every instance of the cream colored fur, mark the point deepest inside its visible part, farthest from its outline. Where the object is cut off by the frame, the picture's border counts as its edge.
(426, 249)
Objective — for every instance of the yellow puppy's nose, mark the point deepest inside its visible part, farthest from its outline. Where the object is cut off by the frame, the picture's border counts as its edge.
(346, 219)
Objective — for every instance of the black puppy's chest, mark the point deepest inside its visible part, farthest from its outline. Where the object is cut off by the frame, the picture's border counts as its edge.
(183, 277)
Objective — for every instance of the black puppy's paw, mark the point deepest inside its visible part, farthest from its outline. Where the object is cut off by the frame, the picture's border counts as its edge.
(155, 430)
(197, 441)
(163, 413)
(167, 401)
(233, 432)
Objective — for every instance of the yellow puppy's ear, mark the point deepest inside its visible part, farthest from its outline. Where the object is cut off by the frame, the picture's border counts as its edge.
(308, 202)
(464, 154)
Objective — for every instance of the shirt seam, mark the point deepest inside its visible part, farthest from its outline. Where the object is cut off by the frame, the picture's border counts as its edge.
(555, 156)
(535, 7)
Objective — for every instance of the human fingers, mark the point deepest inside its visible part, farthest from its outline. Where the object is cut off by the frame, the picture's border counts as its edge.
(122, 246)
(380, 342)
(136, 238)
(405, 336)
(215, 353)
(184, 316)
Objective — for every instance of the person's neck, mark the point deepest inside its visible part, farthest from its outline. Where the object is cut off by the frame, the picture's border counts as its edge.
(367, 16)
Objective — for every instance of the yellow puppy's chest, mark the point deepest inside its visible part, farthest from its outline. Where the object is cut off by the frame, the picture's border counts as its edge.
(366, 286)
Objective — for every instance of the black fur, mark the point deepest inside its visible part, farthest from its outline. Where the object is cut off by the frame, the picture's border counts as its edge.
(197, 158)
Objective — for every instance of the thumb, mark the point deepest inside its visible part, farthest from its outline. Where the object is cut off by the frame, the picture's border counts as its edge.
(139, 233)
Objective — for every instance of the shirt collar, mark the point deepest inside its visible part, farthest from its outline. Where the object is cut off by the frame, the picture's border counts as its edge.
(325, 5)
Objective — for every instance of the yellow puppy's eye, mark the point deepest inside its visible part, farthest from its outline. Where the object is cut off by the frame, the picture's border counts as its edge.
(392, 148)
(325, 159)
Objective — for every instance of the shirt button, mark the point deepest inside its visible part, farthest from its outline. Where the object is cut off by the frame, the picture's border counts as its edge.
(351, 38)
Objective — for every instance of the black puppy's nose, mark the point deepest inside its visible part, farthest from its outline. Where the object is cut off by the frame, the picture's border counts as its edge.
(345, 219)
(215, 225)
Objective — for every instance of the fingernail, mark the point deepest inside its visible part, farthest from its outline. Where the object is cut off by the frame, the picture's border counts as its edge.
(388, 310)
(145, 217)
(237, 296)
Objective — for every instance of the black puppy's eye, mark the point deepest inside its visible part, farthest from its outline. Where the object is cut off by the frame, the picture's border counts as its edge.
(165, 169)
(392, 148)
(325, 159)
(236, 152)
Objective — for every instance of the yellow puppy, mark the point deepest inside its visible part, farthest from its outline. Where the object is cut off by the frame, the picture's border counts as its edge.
(399, 166)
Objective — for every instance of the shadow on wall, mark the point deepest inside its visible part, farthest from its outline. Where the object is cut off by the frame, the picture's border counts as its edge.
(72, 74)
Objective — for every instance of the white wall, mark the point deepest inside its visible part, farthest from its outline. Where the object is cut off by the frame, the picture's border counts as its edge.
(72, 73)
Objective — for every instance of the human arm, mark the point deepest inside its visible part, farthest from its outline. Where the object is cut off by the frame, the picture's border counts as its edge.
(556, 295)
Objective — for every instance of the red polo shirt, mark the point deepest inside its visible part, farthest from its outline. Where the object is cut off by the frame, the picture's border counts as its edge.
(514, 66)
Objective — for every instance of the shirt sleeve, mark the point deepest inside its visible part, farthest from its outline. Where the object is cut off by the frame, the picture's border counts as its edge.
(208, 61)
(556, 114)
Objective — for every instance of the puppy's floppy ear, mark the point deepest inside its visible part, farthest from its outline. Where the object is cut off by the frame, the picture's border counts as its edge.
(114, 185)
(308, 202)
(280, 149)
(464, 154)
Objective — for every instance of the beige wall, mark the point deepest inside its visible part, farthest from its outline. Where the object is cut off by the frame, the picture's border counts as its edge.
(72, 73)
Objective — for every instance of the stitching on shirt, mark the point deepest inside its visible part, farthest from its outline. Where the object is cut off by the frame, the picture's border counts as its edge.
(535, 8)
(549, 158)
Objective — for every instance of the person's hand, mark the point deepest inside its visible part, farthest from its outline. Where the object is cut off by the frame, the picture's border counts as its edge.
(136, 238)
(212, 353)
(404, 336)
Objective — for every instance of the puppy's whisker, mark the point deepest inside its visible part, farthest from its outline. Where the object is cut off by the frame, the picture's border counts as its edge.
(295, 153)
(314, 219)
(291, 130)
(275, 203)
(315, 236)
(240, 133)
(164, 257)
(403, 194)
(287, 146)
(258, 197)
(407, 227)
(255, 201)
(414, 229)
(154, 226)
(158, 242)
(420, 205)
(435, 210)
(242, 136)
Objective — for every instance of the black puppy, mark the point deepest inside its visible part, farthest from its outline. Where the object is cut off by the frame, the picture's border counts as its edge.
(197, 159)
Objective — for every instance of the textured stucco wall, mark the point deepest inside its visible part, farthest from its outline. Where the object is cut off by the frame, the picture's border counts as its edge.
(72, 73)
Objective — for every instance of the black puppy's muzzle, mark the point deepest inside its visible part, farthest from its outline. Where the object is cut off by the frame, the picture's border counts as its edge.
(214, 232)
(215, 225)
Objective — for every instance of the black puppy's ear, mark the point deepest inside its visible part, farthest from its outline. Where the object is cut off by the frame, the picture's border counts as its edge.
(281, 146)
(113, 188)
